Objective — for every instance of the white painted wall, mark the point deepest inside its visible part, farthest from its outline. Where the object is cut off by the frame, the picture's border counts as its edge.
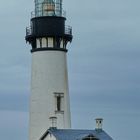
(50, 137)
(49, 75)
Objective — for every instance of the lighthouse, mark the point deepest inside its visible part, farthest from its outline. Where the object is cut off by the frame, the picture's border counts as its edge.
(48, 36)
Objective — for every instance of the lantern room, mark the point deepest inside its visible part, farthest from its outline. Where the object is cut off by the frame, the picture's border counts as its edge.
(48, 8)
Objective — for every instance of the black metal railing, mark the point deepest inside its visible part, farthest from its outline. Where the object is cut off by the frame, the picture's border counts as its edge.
(68, 30)
(28, 31)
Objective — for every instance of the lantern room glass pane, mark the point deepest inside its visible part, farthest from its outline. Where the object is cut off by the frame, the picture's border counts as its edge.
(48, 8)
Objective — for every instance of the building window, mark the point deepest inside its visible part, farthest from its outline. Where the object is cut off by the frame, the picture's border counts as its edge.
(59, 102)
(90, 137)
(61, 43)
(38, 43)
(50, 42)
(44, 44)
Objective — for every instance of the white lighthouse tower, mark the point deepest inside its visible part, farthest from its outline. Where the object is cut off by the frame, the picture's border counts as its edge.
(48, 37)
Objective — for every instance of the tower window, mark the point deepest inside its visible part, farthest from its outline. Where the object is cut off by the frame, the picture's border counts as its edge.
(50, 42)
(38, 43)
(59, 102)
(44, 44)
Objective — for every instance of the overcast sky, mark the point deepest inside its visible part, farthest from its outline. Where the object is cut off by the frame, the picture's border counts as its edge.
(103, 64)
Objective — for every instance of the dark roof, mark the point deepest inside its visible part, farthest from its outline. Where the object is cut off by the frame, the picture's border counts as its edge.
(74, 134)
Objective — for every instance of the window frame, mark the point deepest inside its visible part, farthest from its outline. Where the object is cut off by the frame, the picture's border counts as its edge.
(59, 97)
(90, 137)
